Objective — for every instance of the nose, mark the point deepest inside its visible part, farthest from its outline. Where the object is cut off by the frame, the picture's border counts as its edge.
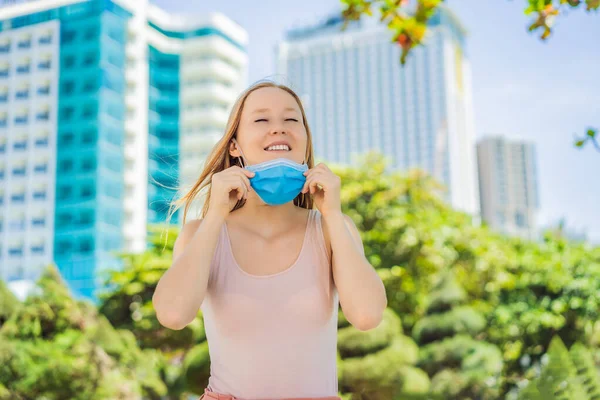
(278, 129)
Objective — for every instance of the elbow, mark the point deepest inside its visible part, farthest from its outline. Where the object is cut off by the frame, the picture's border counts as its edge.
(367, 322)
(171, 322)
(168, 318)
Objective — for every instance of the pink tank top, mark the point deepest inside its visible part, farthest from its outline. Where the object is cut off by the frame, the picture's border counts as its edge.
(273, 336)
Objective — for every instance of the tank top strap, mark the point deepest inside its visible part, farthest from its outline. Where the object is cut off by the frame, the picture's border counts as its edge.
(317, 235)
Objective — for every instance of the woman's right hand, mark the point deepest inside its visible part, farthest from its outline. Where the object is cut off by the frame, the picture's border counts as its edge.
(227, 188)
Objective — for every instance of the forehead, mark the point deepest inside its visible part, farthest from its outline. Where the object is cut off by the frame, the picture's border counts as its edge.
(271, 98)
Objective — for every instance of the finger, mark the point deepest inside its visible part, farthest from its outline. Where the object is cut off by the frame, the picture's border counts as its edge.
(246, 181)
(247, 173)
(235, 184)
(306, 182)
(244, 186)
(244, 171)
(311, 184)
(309, 174)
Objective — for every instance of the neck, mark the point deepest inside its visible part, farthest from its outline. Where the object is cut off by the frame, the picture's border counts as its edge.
(263, 216)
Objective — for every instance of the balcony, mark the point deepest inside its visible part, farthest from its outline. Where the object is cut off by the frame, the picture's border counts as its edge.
(213, 116)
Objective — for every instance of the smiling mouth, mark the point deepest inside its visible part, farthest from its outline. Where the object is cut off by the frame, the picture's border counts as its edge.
(278, 147)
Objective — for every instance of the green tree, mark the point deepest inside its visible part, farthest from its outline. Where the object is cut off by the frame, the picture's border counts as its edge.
(55, 347)
(527, 291)
(565, 376)
(378, 364)
(127, 304)
(461, 366)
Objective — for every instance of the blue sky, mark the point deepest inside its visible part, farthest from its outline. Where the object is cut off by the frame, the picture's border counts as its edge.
(543, 92)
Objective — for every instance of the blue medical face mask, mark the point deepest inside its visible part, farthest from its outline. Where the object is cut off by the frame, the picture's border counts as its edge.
(277, 181)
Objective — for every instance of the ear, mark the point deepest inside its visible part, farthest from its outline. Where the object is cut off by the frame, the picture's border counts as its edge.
(233, 150)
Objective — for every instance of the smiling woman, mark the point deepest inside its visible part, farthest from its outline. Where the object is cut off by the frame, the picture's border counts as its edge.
(267, 269)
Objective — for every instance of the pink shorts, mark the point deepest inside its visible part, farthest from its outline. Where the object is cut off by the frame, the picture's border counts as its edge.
(208, 394)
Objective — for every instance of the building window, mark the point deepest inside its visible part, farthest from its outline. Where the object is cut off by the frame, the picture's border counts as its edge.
(68, 87)
(45, 64)
(46, 39)
(24, 44)
(37, 249)
(23, 69)
(44, 90)
(65, 192)
(17, 198)
(89, 59)
(38, 222)
(39, 195)
(41, 168)
(15, 251)
(68, 112)
(69, 61)
(41, 142)
(21, 119)
(43, 116)
(22, 94)
(67, 139)
(68, 36)
(22, 145)
(66, 166)
(86, 192)
(520, 220)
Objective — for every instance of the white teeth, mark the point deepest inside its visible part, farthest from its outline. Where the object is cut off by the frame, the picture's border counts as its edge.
(279, 147)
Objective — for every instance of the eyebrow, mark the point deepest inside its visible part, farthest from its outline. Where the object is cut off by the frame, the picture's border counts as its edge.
(268, 109)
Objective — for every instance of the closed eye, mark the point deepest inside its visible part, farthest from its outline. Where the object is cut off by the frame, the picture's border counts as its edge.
(292, 119)
(262, 119)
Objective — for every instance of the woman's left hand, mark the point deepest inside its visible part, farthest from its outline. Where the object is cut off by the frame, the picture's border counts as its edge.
(325, 187)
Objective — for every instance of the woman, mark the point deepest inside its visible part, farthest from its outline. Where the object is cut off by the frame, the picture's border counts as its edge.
(265, 267)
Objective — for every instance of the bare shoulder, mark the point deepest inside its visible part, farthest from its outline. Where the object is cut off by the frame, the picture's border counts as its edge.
(185, 235)
(351, 227)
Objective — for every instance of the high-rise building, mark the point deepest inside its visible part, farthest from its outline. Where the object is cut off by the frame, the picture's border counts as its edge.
(359, 98)
(106, 106)
(508, 185)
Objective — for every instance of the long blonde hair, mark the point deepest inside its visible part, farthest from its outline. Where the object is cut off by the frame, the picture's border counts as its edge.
(219, 158)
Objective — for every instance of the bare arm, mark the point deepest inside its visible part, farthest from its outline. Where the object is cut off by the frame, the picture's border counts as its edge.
(362, 294)
(181, 290)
